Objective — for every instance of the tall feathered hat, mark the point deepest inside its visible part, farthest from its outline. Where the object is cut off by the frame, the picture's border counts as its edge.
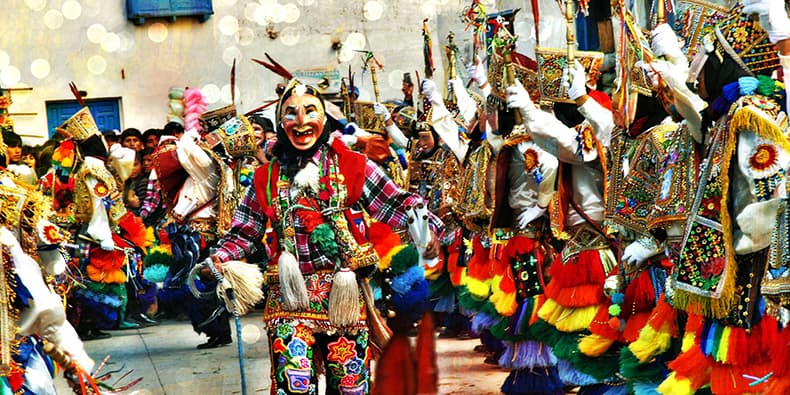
(81, 126)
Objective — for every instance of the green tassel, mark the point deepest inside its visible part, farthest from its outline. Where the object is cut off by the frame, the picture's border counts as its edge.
(765, 85)
(324, 237)
(631, 369)
(405, 259)
(468, 301)
(601, 367)
(500, 329)
(441, 286)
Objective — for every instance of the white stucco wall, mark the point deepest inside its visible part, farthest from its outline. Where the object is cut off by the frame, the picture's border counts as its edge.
(141, 70)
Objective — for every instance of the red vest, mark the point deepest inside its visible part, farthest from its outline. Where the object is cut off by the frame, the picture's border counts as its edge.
(350, 164)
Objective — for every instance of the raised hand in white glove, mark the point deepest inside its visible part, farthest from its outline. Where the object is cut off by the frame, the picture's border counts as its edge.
(478, 72)
(773, 17)
(381, 111)
(664, 42)
(636, 253)
(575, 80)
(107, 244)
(428, 89)
(518, 99)
(674, 76)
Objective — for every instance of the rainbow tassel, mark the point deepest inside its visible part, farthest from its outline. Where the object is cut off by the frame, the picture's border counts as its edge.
(594, 345)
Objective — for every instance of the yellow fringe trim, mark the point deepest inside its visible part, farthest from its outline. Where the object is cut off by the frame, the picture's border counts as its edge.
(432, 273)
(386, 260)
(674, 386)
(480, 289)
(567, 319)
(594, 345)
(651, 343)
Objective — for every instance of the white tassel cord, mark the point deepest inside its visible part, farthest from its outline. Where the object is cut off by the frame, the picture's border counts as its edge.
(344, 299)
(246, 280)
(292, 286)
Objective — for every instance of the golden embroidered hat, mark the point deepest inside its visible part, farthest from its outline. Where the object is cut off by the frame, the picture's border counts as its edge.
(211, 120)
(741, 36)
(236, 137)
(80, 126)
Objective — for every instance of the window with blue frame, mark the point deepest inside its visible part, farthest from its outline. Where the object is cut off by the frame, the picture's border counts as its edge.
(138, 11)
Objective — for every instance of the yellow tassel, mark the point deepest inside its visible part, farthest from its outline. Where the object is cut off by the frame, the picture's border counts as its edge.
(688, 341)
(386, 260)
(651, 343)
(567, 319)
(594, 345)
(505, 303)
(674, 386)
(724, 345)
(480, 289)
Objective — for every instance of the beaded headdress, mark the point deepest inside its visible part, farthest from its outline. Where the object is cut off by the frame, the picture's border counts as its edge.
(80, 126)
(236, 137)
(211, 120)
(741, 36)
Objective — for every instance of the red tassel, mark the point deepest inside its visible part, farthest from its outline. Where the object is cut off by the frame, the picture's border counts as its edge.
(395, 373)
(578, 296)
(633, 325)
(729, 380)
(584, 268)
(133, 229)
(639, 296)
(479, 266)
(693, 365)
(780, 364)
(425, 351)
(382, 238)
(664, 313)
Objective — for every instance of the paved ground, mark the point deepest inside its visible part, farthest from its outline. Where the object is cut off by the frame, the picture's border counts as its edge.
(166, 357)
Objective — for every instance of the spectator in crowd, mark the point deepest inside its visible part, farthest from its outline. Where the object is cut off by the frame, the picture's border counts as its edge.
(151, 138)
(132, 138)
(174, 129)
(111, 137)
(147, 155)
(14, 146)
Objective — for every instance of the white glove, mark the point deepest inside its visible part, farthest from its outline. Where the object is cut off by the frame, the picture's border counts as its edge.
(612, 284)
(674, 76)
(664, 42)
(529, 215)
(428, 89)
(773, 17)
(636, 253)
(7, 237)
(107, 244)
(478, 72)
(518, 99)
(381, 111)
(575, 80)
(456, 85)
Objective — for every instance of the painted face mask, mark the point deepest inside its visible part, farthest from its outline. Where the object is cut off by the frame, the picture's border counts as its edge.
(302, 116)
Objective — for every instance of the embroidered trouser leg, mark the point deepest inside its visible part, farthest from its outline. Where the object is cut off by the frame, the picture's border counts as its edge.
(294, 356)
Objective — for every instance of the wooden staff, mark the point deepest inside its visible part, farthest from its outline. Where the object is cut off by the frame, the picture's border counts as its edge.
(510, 79)
(375, 80)
(570, 31)
(452, 69)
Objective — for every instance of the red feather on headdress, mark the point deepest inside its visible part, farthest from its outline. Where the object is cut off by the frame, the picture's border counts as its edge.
(274, 67)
